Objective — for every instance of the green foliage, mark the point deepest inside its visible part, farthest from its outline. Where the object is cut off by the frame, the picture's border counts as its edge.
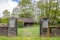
(0, 20)
(20, 24)
(58, 21)
(24, 2)
(26, 15)
(6, 13)
(26, 12)
(4, 20)
(51, 11)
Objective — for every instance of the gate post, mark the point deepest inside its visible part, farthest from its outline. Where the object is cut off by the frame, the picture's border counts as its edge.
(12, 29)
(44, 27)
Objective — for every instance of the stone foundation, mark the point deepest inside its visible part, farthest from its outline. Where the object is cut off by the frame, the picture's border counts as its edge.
(12, 31)
(3, 31)
(8, 31)
(55, 31)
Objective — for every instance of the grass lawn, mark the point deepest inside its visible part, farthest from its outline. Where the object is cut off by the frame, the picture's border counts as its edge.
(33, 31)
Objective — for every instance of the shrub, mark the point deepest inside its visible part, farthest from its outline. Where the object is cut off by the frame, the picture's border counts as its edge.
(4, 20)
(20, 24)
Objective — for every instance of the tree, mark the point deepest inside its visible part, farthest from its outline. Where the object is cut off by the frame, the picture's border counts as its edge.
(24, 2)
(51, 10)
(26, 8)
(6, 13)
(26, 15)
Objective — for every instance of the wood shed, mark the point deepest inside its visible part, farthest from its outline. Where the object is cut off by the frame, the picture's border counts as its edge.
(27, 21)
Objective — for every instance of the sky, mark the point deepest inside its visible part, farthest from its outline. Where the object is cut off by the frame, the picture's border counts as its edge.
(8, 4)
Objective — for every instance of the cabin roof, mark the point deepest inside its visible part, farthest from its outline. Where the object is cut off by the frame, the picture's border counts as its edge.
(26, 20)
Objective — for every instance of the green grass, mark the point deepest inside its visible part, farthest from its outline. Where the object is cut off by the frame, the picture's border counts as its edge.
(34, 32)
(29, 38)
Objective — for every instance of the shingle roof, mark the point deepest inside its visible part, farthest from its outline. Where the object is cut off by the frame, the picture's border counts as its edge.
(27, 20)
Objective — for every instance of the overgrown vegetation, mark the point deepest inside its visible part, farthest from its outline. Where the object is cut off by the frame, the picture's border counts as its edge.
(4, 20)
(51, 10)
(20, 24)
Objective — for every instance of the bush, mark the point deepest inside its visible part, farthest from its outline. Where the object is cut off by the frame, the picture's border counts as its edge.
(20, 24)
(4, 20)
